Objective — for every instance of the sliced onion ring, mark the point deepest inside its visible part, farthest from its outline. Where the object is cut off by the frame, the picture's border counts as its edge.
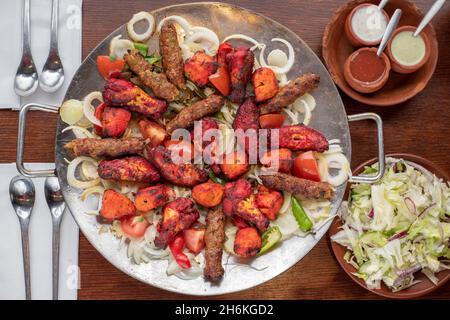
(239, 36)
(71, 111)
(79, 132)
(73, 181)
(202, 33)
(184, 24)
(344, 166)
(118, 47)
(89, 109)
(141, 37)
(289, 63)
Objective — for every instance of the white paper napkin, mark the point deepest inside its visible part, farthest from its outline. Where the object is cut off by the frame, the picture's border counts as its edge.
(12, 285)
(69, 38)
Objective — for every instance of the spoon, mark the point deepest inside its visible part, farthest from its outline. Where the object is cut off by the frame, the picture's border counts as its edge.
(430, 15)
(382, 4)
(26, 80)
(389, 31)
(55, 202)
(22, 194)
(52, 76)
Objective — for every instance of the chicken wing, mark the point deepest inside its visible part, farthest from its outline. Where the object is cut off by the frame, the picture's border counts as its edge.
(183, 174)
(178, 215)
(122, 93)
(135, 169)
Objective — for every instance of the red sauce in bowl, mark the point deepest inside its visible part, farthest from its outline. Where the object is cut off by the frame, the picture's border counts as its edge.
(366, 66)
(365, 72)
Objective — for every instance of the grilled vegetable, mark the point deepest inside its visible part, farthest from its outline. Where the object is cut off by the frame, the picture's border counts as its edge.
(199, 67)
(265, 84)
(153, 197)
(108, 66)
(300, 215)
(134, 226)
(116, 205)
(208, 194)
(221, 79)
(247, 242)
(269, 239)
(194, 239)
(176, 247)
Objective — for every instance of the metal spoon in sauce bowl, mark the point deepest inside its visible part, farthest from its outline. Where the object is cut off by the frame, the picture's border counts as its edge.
(389, 31)
(430, 15)
(382, 4)
(52, 76)
(22, 195)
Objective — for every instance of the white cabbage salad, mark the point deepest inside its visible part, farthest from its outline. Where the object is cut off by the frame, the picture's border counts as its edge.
(82, 173)
(397, 227)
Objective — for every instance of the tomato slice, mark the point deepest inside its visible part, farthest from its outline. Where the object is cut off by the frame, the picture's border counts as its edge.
(182, 147)
(109, 67)
(176, 247)
(221, 80)
(195, 239)
(305, 166)
(98, 114)
(134, 226)
(269, 121)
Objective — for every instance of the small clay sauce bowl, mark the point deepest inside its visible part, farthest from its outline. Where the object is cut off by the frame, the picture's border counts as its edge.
(363, 86)
(400, 87)
(351, 36)
(400, 68)
(418, 290)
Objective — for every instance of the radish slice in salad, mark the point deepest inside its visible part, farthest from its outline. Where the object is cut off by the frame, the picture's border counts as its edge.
(141, 16)
(89, 109)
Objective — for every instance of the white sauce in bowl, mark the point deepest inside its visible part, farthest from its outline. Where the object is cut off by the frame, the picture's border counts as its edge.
(369, 23)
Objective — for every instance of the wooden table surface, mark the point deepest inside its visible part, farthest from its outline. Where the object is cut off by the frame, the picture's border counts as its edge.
(419, 126)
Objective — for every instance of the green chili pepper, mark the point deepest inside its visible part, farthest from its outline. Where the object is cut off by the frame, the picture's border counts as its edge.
(300, 215)
(143, 48)
(269, 239)
(214, 178)
(152, 59)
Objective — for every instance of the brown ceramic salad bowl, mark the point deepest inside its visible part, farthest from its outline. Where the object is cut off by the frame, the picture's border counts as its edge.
(417, 290)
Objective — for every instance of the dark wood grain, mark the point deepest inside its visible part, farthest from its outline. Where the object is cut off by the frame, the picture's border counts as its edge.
(420, 126)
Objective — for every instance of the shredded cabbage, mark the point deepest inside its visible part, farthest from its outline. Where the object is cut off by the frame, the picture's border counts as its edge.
(397, 226)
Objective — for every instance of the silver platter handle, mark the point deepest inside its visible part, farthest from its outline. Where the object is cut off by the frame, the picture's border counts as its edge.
(381, 157)
(21, 140)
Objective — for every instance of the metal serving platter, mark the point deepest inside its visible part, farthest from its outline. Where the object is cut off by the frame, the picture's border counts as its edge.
(329, 117)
